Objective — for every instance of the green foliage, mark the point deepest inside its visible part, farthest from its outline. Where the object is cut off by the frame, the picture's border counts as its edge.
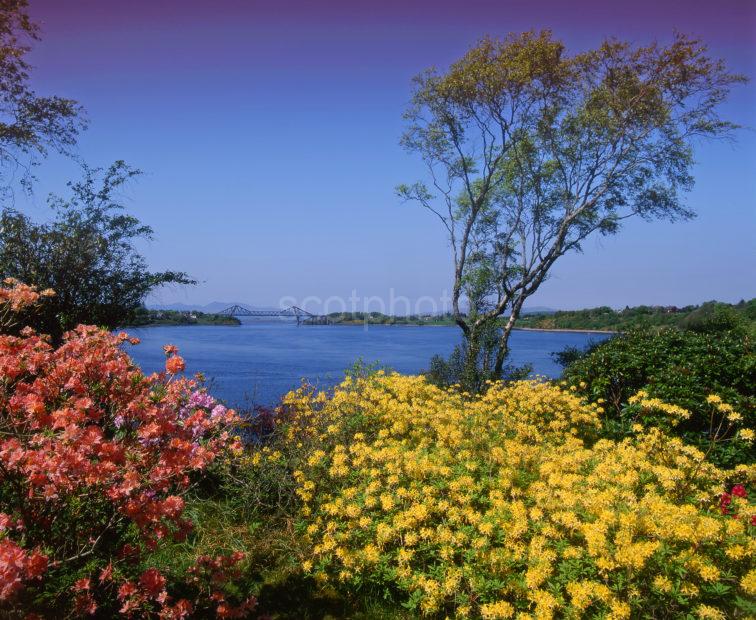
(709, 316)
(143, 317)
(362, 369)
(87, 254)
(378, 318)
(716, 317)
(568, 355)
(445, 372)
(30, 125)
(681, 368)
(531, 150)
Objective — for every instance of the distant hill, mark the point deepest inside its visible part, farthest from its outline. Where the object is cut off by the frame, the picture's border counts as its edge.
(537, 310)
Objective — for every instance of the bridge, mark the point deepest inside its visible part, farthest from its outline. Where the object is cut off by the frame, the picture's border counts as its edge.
(302, 316)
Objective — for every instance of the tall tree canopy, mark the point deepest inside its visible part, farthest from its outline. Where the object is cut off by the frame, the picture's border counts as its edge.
(530, 150)
(30, 125)
(86, 254)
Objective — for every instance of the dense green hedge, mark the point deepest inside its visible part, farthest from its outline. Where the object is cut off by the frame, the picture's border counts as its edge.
(641, 317)
(681, 367)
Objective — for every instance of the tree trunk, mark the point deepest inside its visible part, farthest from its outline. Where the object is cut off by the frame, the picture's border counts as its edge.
(470, 378)
(503, 349)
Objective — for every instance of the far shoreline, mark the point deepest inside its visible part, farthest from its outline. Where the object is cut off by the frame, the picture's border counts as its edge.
(362, 324)
(525, 329)
(558, 329)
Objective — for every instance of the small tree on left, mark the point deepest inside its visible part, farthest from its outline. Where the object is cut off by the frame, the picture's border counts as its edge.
(30, 125)
(87, 254)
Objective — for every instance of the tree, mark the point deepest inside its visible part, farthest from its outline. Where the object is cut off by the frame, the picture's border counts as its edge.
(30, 125)
(86, 254)
(529, 151)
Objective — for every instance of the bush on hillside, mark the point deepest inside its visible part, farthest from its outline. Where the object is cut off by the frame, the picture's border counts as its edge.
(712, 317)
(682, 368)
(506, 503)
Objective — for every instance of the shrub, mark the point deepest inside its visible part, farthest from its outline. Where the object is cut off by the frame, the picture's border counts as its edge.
(717, 317)
(502, 503)
(95, 462)
(87, 251)
(446, 372)
(681, 368)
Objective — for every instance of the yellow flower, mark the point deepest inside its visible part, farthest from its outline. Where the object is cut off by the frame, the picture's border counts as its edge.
(494, 611)
(746, 434)
(371, 554)
(705, 612)
(445, 491)
(748, 583)
(662, 583)
(619, 610)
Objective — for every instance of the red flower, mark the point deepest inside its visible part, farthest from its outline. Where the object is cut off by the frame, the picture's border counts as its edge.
(16, 566)
(85, 604)
(106, 574)
(126, 590)
(724, 502)
(36, 565)
(739, 491)
(82, 584)
(152, 581)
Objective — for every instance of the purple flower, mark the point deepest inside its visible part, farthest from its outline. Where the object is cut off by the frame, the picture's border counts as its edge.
(218, 412)
(201, 399)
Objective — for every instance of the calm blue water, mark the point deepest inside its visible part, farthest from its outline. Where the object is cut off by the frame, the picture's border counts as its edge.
(257, 362)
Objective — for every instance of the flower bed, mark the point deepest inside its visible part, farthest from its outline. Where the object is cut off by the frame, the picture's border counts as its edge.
(507, 504)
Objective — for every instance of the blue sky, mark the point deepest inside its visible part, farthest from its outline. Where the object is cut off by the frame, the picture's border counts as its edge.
(269, 139)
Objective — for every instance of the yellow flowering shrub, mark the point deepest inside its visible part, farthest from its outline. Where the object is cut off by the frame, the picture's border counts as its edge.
(507, 505)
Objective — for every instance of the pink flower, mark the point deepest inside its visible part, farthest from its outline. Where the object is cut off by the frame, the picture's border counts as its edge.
(218, 412)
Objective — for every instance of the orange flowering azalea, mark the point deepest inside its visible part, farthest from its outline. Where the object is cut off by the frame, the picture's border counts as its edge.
(92, 450)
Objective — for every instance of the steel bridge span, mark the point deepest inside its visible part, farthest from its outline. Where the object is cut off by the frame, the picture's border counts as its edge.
(302, 316)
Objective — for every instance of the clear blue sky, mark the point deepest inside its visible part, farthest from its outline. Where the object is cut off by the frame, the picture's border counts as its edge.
(269, 134)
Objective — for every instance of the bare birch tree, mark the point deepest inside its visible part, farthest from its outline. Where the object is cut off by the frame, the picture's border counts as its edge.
(530, 151)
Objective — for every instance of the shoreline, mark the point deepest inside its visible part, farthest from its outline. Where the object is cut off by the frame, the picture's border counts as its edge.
(563, 329)
(361, 324)
(527, 329)
(180, 325)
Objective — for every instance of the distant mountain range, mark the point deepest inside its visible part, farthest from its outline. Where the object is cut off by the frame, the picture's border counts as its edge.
(217, 306)
(538, 310)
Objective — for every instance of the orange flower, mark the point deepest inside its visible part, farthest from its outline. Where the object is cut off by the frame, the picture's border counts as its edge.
(175, 364)
(81, 419)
